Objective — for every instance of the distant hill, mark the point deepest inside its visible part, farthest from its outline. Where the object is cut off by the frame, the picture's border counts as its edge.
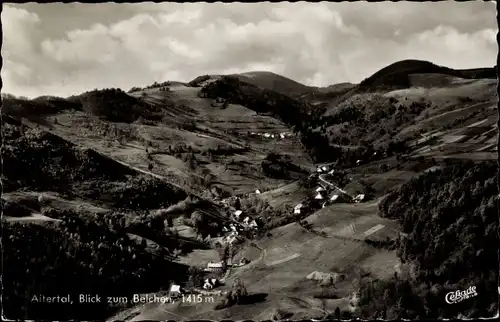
(274, 82)
(397, 74)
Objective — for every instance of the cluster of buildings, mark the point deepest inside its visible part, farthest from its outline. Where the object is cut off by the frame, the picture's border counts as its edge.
(281, 135)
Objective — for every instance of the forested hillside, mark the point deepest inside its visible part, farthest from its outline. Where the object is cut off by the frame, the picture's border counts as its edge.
(450, 218)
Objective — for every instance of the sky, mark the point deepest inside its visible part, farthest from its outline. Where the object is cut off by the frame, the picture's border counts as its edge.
(65, 49)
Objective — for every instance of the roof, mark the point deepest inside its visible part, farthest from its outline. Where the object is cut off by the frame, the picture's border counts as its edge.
(334, 197)
(318, 196)
(214, 265)
(257, 191)
(238, 212)
(320, 189)
(298, 206)
(175, 288)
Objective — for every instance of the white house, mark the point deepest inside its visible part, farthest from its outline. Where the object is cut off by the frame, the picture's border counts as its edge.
(334, 197)
(297, 208)
(272, 135)
(207, 285)
(267, 135)
(257, 191)
(246, 220)
(358, 162)
(319, 189)
(212, 267)
(318, 196)
(331, 171)
(359, 198)
(319, 170)
(324, 168)
(175, 290)
(282, 135)
(237, 214)
(253, 224)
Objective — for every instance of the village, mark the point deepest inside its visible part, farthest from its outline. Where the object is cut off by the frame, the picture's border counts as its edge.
(240, 228)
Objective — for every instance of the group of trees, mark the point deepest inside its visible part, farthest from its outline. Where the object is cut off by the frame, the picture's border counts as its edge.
(112, 105)
(237, 295)
(450, 218)
(33, 109)
(41, 160)
(76, 256)
(163, 87)
(280, 166)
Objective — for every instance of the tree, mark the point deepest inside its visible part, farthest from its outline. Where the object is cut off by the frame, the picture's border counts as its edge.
(237, 204)
(239, 292)
(337, 313)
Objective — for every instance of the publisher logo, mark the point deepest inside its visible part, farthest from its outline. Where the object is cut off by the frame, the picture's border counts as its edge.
(459, 296)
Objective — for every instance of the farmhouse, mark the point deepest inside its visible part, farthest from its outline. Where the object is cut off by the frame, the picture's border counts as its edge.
(297, 208)
(237, 214)
(257, 191)
(214, 267)
(359, 198)
(210, 283)
(319, 196)
(319, 189)
(175, 291)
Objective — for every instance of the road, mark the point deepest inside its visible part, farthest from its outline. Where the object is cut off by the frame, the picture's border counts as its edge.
(322, 179)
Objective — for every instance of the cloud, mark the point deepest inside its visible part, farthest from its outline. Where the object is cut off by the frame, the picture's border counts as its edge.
(314, 43)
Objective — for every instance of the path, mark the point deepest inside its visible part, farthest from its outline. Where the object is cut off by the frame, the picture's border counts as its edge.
(322, 179)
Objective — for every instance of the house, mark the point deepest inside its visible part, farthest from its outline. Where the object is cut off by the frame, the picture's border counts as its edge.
(282, 135)
(267, 135)
(257, 191)
(334, 197)
(207, 285)
(324, 168)
(233, 227)
(224, 229)
(358, 162)
(214, 267)
(175, 291)
(319, 196)
(237, 214)
(331, 171)
(210, 283)
(246, 220)
(319, 189)
(272, 135)
(359, 198)
(319, 170)
(253, 224)
(297, 208)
